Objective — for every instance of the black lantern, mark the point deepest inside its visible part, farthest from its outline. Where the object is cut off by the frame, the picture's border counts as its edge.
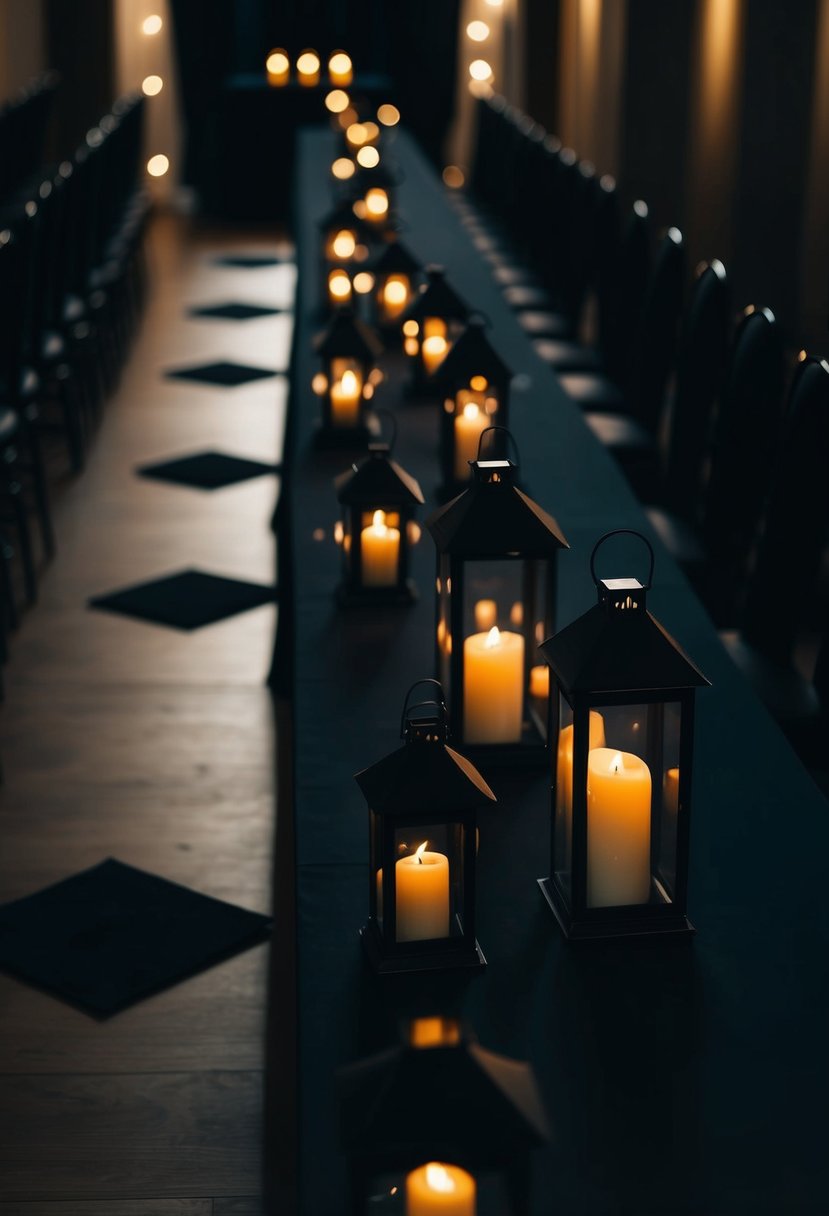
(431, 325)
(422, 802)
(621, 738)
(474, 382)
(395, 275)
(349, 351)
(439, 1117)
(377, 529)
(344, 248)
(496, 595)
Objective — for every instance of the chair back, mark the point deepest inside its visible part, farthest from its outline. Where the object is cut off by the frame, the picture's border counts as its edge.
(622, 300)
(745, 439)
(701, 363)
(654, 349)
(784, 569)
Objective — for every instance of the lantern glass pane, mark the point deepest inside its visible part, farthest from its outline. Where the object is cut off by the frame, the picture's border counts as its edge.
(563, 805)
(474, 409)
(444, 627)
(626, 806)
(428, 881)
(496, 650)
(345, 392)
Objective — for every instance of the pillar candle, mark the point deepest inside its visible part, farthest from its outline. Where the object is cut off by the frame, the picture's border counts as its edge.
(486, 614)
(343, 244)
(340, 69)
(670, 790)
(469, 424)
(436, 1189)
(379, 551)
(493, 687)
(308, 69)
(345, 400)
(395, 296)
(422, 906)
(278, 67)
(433, 351)
(540, 681)
(564, 766)
(618, 828)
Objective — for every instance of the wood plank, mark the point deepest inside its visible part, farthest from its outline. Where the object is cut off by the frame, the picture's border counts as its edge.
(141, 1135)
(112, 1207)
(250, 1206)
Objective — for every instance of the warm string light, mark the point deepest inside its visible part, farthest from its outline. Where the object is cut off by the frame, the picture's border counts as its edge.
(158, 165)
(151, 86)
(151, 25)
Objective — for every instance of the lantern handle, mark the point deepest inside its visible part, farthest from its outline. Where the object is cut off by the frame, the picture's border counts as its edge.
(436, 700)
(384, 413)
(509, 436)
(622, 532)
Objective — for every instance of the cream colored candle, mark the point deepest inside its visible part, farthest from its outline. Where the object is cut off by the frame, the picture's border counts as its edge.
(422, 902)
(486, 614)
(670, 791)
(564, 766)
(493, 687)
(540, 681)
(379, 550)
(396, 294)
(345, 400)
(433, 351)
(469, 425)
(618, 828)
(436, 1189)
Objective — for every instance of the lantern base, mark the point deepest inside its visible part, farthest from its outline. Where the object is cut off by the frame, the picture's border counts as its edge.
(334, 438)
(469, 957)
(368, 597)
(674, 926)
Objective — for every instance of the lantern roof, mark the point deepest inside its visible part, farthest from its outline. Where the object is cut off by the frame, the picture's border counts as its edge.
(377, 479)
(423, 776)
(396, 258)
(441, 1100)
(437, 298)
(342, 216)
(493, 518)
(471, 354)
(346, 336)
(616, 648)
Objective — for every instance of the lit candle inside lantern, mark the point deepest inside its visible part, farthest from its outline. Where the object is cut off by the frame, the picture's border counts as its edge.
(493, 687)
(486, 614)
(470, 423)
(422, 907)
(540, 681)
(670, 791)
(278, 67)
(379, 551)
(340, 69)
(433, 350)
(396, 292)
(377, 204)
(343, 244)
(308, 69)
(436, 1189)
(345, 399)
(339, 287)
(618, 829)
(564, 766)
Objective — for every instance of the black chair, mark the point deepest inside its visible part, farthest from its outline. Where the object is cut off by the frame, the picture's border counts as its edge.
(14, 507)
(784, 566)
(715, 554)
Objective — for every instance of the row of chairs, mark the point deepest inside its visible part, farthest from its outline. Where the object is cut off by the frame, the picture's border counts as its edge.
(692, 403)
(72, 283)
(24, 126)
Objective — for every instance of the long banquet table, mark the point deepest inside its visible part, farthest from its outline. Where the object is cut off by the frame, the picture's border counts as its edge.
(688, 1079)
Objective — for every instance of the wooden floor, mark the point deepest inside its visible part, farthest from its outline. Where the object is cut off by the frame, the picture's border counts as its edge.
(157, 747)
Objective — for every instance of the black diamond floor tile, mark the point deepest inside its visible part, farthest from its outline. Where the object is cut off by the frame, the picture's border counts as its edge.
(250, 261)
(235, 312)
(226, 374)
(206, 470)
(112, 935)
(187, 600)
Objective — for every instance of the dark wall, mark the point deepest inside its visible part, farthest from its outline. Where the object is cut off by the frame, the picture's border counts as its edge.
(79, 45)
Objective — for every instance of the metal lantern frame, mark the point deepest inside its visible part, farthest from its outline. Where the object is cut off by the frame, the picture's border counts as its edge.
(618, 658)
(395, 260)
(424, 784)
(473, 376)
(341, 219)
(443, 1098)
(436, 301)
(346, 345)
(494, 533)
(377, 484)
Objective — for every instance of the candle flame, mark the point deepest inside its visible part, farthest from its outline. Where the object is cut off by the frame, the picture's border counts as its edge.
(344, 244)
(478, 383)
(439, 1179)
(378, 522)
(350, 385)
(617, 764)
(419, 851)
(395, 292)
(493, 638)
(471, 410)
(339, 285)
(377, 201)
